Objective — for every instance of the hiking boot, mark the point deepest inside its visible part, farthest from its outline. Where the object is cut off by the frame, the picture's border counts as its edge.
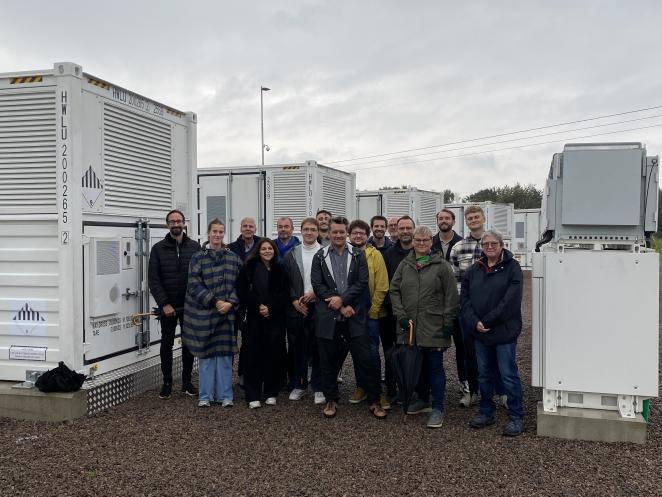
(319, 398)
(166, 391)
(514, 427)
(383, 401)
(358, 396)
(469, 399)
(481, 421)
(189, 389)
(419, 406)
(436, 419)
(297, 394)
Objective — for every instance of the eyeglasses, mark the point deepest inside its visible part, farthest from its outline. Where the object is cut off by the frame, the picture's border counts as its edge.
(422, 240)
(490, 244)
(358, 233)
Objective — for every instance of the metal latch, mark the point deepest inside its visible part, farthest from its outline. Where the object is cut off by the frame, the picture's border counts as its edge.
(130, 293)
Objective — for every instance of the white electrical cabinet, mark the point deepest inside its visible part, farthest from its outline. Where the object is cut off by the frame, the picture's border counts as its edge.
(267, 193)
(525, 235)
(421, 205)
(88, 172)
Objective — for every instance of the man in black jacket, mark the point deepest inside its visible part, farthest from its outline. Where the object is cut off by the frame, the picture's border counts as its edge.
(339, 276)
(247, 241)
(168, 275)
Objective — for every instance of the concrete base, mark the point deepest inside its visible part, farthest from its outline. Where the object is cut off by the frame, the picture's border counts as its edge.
(590, 424)
(34, 405)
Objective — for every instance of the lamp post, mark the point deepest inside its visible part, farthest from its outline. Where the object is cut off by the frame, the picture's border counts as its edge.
(262, 90)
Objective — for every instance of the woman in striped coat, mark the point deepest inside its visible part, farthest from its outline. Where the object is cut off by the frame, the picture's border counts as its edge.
(209, 314)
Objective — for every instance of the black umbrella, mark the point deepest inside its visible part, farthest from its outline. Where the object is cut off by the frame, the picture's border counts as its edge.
(406, 361)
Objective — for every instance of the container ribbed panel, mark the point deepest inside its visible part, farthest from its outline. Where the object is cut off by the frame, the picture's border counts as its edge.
(27, 151)
(137, 154)
(289, 196)
(334, 195)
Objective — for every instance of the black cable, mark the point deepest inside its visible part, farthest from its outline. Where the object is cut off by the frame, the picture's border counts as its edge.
(503, 148)
(505, 141)
(500, 134)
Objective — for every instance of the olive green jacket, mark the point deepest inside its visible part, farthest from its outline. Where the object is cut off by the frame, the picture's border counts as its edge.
(428, 296)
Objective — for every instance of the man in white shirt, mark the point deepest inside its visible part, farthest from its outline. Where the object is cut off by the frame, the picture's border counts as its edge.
(301, 314)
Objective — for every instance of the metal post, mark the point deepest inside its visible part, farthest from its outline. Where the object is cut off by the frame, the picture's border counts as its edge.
(262, 90)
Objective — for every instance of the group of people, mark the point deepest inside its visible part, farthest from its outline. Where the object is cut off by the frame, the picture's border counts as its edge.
(301, 306)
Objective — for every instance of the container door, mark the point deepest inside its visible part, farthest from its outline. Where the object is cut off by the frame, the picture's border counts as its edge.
(368, 206)
(212, 202)
(246, 200)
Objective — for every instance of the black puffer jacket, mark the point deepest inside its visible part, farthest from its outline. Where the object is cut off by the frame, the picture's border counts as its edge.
(168, 270)
(493, 296)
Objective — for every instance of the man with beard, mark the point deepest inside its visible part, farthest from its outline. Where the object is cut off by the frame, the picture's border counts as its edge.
(443, 242)
(167, 276)
(378, 238)
(323, 217)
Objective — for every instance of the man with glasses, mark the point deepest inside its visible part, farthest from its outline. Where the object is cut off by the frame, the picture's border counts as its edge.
(377, 290)
(167, 276)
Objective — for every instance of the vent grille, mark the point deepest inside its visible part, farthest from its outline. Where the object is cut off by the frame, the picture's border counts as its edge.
(108, 257)
(501, 220)
(27, 151)
(289, 193)
(428, 212)
(216, 208)
(397, 204)
(137, 154)
(334, 195)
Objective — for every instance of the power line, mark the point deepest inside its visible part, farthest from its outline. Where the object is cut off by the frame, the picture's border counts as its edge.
(504, 148)
(507, 141)
(596, 118)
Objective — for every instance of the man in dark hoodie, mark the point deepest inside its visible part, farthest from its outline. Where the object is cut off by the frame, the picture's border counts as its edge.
(247, 241)
(167, 276)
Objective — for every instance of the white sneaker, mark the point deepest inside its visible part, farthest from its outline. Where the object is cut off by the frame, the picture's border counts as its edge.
(501, 400)
(254, 405)
(468, 399)
(271, 401)
(227, 403)
(204, 403)
(319, 398)
(340, 380)
(297, 393)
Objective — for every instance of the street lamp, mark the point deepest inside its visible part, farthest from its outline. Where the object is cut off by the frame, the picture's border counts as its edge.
(262, 90)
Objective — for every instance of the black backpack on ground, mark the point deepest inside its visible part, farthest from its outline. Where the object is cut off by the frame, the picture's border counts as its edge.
(60, 379)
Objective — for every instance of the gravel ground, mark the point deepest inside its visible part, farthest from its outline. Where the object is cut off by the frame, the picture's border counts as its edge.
(151, 447)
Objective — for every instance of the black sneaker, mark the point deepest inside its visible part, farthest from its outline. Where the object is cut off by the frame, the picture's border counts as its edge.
(166, 391)
(190, 390)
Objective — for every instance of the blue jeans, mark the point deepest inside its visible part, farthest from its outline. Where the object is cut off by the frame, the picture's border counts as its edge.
(499, 361)
(216, 378)
(472, 364)
(433, 377)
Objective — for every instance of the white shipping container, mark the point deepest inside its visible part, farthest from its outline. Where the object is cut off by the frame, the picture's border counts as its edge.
(499, 217)
(421, 205)
(527, 233)
(267, 193)
(88, 171)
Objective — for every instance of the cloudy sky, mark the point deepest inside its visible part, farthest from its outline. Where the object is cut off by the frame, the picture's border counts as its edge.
(354, 79)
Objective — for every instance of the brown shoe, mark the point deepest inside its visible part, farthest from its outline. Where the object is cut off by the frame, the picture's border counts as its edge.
(330, 410)
(377, 410)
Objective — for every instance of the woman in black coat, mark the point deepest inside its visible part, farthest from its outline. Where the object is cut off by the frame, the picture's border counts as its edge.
(491, 301)
(263, 290)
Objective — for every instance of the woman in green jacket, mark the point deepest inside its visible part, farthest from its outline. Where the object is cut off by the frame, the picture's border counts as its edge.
(423, 291)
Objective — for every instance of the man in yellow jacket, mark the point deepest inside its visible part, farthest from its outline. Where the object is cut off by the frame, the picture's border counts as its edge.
(377, 290)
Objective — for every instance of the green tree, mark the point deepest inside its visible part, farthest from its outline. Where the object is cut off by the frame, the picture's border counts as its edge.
(448, 196)
(524, 197)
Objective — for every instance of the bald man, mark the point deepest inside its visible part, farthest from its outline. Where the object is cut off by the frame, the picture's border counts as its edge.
(247, 241)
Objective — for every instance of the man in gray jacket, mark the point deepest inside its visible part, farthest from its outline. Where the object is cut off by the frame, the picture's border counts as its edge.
(339, 276)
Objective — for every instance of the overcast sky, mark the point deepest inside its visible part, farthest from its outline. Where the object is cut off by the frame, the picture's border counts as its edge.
(361, 78)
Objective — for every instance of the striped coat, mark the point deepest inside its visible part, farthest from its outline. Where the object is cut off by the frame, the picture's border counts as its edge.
(212, 274)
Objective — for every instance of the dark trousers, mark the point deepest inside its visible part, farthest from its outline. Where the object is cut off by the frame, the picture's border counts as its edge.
(387, 336)
(168, 326)
(261, 360)
(331, 352)
(433, 377)
(302, 349)
(460, 354)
